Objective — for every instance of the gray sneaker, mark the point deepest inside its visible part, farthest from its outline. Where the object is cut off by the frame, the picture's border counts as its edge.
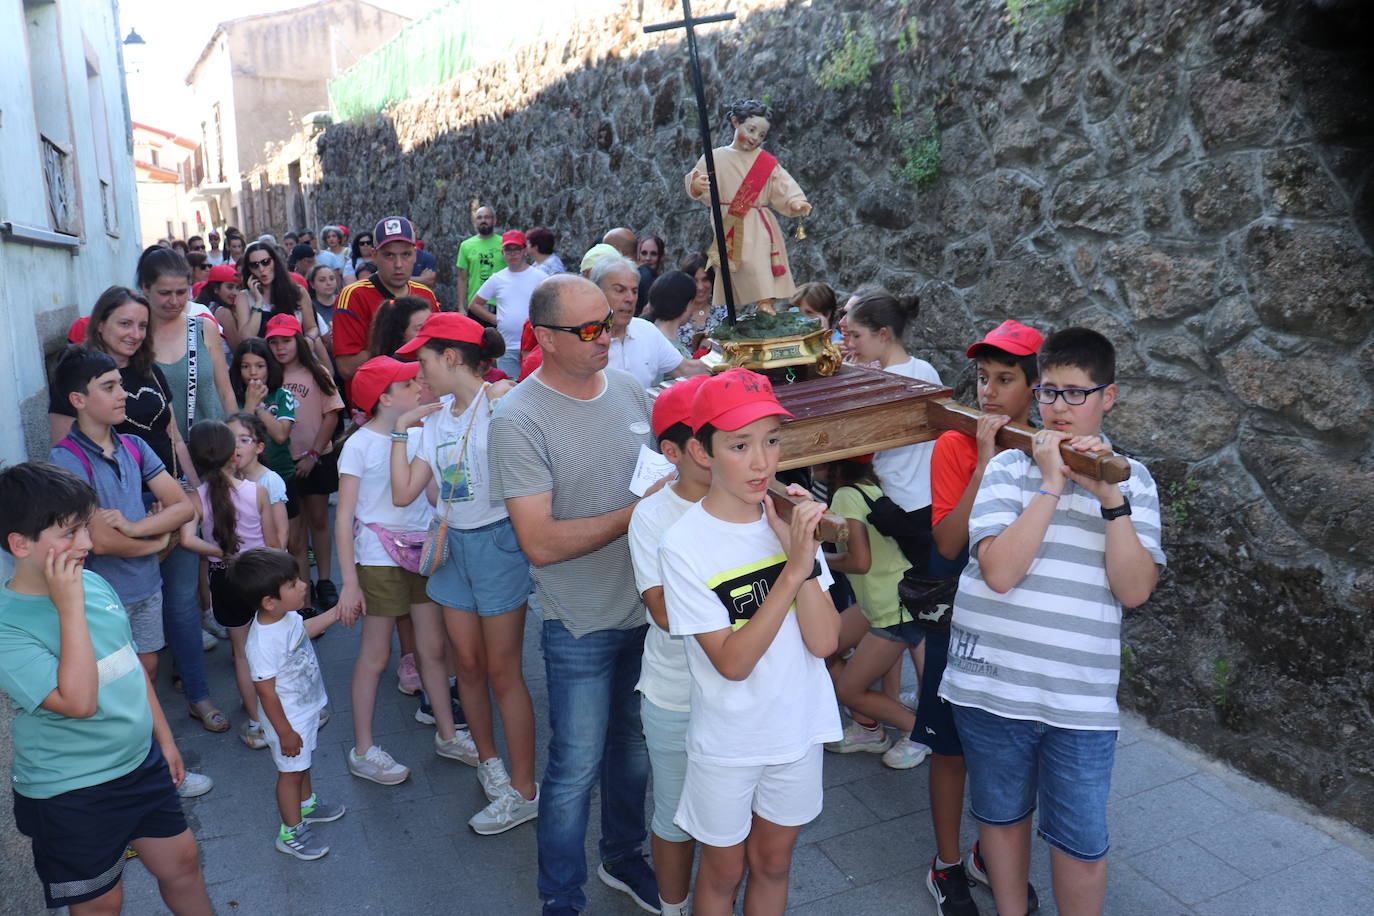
(300, 842)
(510, 810)
(491, 773)
(322, 811)
(460, 747)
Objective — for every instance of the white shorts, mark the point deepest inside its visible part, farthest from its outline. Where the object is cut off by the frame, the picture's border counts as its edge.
(718, 802)
(307, 729)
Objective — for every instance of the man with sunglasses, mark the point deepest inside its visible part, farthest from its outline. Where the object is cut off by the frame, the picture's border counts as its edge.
(394, 238)
(1034, 643)
(562, 449)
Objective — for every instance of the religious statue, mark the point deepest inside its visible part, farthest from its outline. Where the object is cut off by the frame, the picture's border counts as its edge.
(752, 185)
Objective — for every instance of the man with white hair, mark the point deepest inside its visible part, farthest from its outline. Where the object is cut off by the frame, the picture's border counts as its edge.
(637, 347)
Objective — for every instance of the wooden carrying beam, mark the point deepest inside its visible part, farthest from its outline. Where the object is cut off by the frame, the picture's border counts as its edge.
(831, 528)
(945, 414)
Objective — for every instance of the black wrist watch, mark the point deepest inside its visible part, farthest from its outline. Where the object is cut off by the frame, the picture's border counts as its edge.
(1123, 509)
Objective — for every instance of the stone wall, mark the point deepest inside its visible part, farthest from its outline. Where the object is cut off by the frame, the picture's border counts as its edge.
(1192, 179)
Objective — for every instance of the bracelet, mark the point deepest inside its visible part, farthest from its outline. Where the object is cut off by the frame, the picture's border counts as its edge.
(310, 453)
(399, 437)
(1048, 493)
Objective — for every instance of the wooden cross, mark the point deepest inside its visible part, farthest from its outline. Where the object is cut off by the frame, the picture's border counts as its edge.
(689, 23)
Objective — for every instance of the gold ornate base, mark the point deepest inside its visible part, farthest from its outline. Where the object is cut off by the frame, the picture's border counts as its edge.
(816, 351)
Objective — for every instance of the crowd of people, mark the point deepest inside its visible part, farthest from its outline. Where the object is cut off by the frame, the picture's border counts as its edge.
(479, 460)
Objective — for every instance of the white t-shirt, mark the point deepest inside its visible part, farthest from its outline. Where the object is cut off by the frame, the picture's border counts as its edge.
(464, 481)
(511, 291)
(787, 703)
(367, 456)
(905, 472)
(282, 650)
(663, 676)
(330, 259)
(643, 352)
(271, 482)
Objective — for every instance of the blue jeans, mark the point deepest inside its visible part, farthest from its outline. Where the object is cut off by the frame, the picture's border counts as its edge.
(595, 732)
(181, 620)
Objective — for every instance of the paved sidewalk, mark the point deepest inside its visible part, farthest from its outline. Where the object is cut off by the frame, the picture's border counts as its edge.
(1189, 836)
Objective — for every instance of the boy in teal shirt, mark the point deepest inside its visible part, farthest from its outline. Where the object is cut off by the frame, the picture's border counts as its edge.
(95, 767)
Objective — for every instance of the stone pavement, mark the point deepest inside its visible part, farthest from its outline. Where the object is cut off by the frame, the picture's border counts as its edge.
(1189, 836)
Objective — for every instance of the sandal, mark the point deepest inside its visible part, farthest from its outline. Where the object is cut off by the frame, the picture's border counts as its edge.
(212, 721)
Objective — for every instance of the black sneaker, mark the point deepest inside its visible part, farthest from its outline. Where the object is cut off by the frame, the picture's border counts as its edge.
(973, 865)
(425, 713)
(950, 887)
(459, 719)
(634, 878)
(326, 595)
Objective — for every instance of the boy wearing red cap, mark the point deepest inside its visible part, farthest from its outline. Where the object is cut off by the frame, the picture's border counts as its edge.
(741, 584)
(665, 685)
(503, 299)
(1007, 369)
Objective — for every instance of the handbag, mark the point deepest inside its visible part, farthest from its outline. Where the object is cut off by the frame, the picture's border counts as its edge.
(929, 600)
(435, 553)
(406, 548)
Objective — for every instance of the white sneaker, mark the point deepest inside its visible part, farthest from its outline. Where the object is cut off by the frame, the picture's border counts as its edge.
(378, 766)
(910, 698)
(209, 624)
(905, 754)
(858, 738)
(207, 640)
(195, 784)
(491, 773)
(511, 809)
(460, 747)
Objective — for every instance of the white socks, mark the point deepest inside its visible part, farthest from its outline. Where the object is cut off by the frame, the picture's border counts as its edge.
(675, 909)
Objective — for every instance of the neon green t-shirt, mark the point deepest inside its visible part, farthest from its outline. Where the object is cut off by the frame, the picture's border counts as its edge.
(480, 257)
(875, 590)
(54, 753)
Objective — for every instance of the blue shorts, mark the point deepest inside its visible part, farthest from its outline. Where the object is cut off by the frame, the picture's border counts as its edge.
(79, 836)
(1010, 761)
(908, 632)
(486, 572)
(934, 716)
(665, 736)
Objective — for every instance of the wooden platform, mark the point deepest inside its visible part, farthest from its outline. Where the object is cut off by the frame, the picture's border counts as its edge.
(854, 412)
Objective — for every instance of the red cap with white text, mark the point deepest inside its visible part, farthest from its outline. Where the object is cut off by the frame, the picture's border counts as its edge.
(733, 399)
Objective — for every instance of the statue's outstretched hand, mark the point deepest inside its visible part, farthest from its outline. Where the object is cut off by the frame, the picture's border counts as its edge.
(700, 184)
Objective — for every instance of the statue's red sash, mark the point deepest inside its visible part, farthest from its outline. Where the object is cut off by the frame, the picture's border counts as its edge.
(745, 198)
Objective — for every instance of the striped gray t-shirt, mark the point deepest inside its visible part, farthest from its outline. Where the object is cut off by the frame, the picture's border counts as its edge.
(1049, 650)
(585, 452)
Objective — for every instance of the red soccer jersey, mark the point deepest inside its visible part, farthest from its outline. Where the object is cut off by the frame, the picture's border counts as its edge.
(354, 310)
(951, 468)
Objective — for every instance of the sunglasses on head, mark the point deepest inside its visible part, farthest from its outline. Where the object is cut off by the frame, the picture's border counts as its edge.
(588, 331)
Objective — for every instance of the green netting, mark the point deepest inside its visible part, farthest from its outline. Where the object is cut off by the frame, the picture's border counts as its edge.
(457, 36)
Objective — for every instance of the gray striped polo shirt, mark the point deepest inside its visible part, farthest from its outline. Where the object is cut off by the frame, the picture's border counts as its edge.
(585, 452)
(1049, 649)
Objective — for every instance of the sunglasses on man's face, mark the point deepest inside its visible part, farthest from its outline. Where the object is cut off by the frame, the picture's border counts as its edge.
(587, 332)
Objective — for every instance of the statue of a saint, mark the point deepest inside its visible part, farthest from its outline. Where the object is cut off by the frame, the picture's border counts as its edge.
(752, 186)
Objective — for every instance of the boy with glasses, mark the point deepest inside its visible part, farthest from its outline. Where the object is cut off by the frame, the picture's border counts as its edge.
(1034, 651)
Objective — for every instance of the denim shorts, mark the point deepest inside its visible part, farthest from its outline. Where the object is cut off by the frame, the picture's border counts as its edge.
(1010, 761)
(486, 572)
(665, 735)
(908, 632)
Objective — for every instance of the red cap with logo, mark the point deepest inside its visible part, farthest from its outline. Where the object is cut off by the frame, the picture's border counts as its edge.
(1011, 336)
(733, 399)
(513, 237)
(674, 405)
(223, 273)
(283, 326)
(444, 326)
(373, 377)
(393, 229)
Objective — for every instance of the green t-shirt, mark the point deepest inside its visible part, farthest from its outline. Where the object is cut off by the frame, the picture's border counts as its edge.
(54, 753)
(875, 590)
(480, 257)
(277, 455)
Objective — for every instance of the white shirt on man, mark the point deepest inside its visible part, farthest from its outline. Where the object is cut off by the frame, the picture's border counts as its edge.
(643, 352)
(510, 293)
(716, 574)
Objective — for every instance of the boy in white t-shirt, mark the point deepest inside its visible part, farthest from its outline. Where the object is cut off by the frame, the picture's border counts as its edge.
(290, 687)
(665, 685)
(739, 581)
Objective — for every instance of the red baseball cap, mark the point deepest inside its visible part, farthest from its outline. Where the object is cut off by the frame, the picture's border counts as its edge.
(1012, 336)
(374, 376)
(300, 281)
(444, 326)
(733, 399)
(77, 332)
(674, 405)
(513, 237)
(223, 273)
(283, 326)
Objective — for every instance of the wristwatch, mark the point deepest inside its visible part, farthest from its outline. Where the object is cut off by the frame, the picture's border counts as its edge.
(1123, 509)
